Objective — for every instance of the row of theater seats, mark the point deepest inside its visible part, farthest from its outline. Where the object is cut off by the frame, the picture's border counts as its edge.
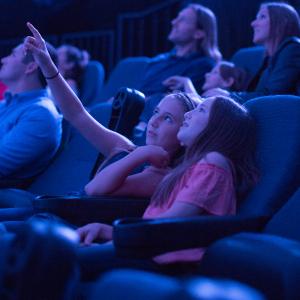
(244, 257)
(128, 72)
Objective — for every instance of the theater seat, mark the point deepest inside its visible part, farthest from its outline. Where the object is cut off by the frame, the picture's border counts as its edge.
(136, 285)
(39, 262)
(269, 261)
(92, 82)
(127, 73)
(250, 59)
(71, 170)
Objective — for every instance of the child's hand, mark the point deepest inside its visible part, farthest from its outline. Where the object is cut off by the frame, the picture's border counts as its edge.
(155, 155)
(94, 231)
(176, 82)
(36, 46)
(216, 92)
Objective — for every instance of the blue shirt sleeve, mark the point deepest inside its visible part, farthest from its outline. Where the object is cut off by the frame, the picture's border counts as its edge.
(31, 142)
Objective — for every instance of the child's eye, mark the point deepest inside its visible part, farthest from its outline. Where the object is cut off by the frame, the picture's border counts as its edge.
(168, 118)
(262, 16)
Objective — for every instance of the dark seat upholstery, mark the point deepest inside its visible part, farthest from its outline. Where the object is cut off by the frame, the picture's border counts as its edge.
(136, 285)
(71, 170)
(250, 59)
(92, 82)
(39, 262)
(269, 261)
(127, 73)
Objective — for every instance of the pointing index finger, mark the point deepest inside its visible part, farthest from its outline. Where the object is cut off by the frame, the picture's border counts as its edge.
(34, 31)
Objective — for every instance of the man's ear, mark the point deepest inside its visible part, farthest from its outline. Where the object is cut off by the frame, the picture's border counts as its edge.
(199, 34)
(31, 67)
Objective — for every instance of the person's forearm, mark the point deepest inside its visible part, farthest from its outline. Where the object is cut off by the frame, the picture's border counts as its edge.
(189, 87)
(103, 139)
(64, 96)
(113, 176)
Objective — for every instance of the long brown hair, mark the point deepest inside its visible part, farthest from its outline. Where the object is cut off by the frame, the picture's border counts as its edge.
(231, 132)
(206, 20)
(284, 23)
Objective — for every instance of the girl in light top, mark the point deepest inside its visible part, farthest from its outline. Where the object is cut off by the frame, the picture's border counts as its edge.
(224, 75)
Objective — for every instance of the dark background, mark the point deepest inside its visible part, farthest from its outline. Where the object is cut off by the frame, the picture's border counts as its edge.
(130, 34)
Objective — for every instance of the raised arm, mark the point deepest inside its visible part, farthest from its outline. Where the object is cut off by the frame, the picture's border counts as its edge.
(179, 83)
(103, 139)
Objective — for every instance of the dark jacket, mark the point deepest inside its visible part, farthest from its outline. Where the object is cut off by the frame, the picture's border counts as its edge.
(279, 74)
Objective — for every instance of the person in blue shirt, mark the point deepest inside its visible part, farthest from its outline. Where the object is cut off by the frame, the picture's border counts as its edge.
(30, 130)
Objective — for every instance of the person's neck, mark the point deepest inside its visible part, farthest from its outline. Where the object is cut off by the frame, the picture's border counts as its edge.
(270, 49)
(22, 87)
(184, 50)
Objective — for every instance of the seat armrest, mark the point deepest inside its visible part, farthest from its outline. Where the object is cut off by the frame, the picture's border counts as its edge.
(81, 210)
(146, 238)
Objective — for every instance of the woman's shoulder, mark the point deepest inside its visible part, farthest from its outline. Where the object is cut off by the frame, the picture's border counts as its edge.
(289, 45)
(216, 159)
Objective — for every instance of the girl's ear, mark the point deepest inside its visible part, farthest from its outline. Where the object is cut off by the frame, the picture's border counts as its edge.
(228, 82)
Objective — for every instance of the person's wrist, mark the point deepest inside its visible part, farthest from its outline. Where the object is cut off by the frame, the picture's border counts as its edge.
(52, 76)
(49, 69)
(107, 232)
(138, 155)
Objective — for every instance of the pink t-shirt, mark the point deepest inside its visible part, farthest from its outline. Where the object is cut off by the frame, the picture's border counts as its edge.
(207, 186)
